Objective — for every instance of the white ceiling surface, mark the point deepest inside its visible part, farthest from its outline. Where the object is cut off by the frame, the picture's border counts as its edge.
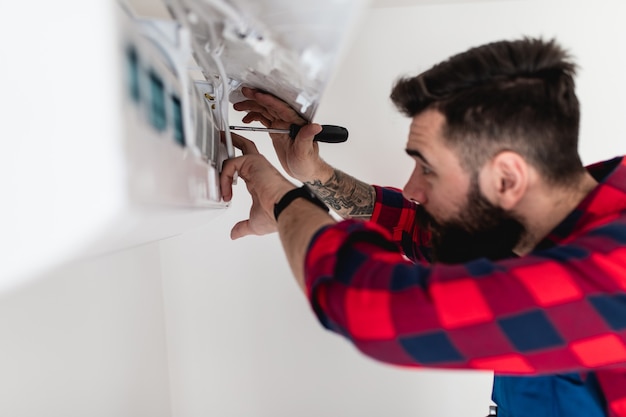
(155, 8)
(410, 3)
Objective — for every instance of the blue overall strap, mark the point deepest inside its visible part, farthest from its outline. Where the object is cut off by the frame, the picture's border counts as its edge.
(564, 395)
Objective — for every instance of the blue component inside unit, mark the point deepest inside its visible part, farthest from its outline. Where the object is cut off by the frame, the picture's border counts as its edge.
(132, 74)
(158, 113)
(177, 113)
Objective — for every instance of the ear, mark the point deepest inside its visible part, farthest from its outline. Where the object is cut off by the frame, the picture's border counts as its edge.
(505, 178)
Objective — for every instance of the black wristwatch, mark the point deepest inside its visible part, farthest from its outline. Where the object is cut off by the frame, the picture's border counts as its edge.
(303, 192)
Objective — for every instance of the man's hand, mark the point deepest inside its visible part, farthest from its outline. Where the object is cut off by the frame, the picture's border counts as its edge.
(299, 157)
(298, 222)
(265, 184)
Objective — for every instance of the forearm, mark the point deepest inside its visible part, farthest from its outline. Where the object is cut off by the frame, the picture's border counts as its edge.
(296, 226)
(347, 196)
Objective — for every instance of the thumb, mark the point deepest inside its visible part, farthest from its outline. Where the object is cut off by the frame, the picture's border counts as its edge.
(240, 229)
(307, 133)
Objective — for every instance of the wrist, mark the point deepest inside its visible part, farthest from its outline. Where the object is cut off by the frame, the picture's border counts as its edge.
(322, 174)
(280, 193)
(304, 193)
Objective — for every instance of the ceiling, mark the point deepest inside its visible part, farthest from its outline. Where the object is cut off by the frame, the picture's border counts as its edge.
(155, 8)
(408, 3)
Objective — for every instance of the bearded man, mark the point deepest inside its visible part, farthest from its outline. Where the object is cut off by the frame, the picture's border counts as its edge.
(502, 252)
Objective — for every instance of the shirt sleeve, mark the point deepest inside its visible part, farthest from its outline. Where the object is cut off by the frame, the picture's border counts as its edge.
(400, 218)
(557, 310)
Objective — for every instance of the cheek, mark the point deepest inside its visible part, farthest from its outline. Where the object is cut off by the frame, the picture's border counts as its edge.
(446, 203)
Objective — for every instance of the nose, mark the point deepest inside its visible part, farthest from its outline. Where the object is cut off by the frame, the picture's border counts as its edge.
(415, 188)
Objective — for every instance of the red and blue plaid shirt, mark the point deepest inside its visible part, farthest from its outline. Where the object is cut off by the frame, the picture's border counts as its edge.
(562, 308)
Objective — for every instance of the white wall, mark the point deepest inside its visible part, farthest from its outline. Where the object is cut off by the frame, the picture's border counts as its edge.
(242, 338)
(88, 340)
(242, 341)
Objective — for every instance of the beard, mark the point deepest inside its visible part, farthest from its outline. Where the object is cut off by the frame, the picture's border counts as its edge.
(481, 230)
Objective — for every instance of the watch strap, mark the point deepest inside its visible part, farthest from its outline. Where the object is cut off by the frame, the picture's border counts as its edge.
(302, 192)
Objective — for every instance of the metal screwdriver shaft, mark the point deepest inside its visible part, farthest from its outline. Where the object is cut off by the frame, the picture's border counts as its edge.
(329, 133)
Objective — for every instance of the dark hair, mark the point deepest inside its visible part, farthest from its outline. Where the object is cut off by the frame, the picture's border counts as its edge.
(509, 95)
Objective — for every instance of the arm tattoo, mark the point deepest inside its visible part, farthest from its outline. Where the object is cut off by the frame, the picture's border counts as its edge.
(347, 196)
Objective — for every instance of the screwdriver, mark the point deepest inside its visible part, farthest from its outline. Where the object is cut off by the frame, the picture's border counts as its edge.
(329, 133)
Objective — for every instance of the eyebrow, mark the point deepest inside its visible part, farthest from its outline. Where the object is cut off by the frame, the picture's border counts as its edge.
(418, 155)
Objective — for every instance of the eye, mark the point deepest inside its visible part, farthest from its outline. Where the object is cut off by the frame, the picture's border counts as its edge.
(426, 170)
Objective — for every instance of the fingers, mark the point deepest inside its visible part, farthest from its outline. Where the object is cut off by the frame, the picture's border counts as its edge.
(246, 146)
(244, 165)
(229, 168)
(248, 105)
(257, 117)
(248, 92)
(279, 109)
(270, 106)
(252, 106)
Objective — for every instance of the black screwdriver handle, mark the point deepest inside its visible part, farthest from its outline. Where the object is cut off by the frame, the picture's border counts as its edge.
(329, 133)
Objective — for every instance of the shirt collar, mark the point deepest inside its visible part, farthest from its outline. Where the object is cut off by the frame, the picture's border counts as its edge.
(602, 204)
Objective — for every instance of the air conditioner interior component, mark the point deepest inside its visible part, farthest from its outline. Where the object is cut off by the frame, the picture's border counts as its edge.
(132, 133)
(289, 48)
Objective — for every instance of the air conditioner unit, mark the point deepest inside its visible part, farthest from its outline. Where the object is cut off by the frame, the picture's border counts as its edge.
(115, 138)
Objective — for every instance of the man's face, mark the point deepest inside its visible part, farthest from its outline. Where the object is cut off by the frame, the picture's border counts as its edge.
(464, 223)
